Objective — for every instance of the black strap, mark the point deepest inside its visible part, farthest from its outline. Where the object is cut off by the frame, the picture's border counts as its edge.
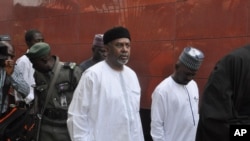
(71, 79)
(49, 94)
(71, 66)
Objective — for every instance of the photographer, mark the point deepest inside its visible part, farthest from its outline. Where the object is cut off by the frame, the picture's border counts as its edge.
(10, 76)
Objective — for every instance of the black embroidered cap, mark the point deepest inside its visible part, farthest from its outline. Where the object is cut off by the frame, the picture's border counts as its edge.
(115, 33)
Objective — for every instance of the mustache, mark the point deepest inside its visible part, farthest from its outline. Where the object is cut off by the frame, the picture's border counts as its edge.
(124, 54)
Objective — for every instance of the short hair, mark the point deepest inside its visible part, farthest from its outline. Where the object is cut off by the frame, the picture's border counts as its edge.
(29, 35)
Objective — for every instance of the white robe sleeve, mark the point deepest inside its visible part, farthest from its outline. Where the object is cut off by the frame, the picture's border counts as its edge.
(25, 66)
(157, 117)
(78, 122)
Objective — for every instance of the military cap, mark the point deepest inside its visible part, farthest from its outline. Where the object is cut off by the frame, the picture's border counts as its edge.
(38, 50)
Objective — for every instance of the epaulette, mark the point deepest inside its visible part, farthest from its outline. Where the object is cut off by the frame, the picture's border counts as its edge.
(70, 65)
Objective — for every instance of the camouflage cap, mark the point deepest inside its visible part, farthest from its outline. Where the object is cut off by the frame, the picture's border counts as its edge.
(38, 50)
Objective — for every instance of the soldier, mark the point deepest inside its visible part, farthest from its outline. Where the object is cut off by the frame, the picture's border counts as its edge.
(55, 83)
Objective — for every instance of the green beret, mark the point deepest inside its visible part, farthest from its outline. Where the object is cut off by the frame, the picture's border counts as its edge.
(38, 50)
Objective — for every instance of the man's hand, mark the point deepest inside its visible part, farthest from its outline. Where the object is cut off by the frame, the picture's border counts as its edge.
(9, 66)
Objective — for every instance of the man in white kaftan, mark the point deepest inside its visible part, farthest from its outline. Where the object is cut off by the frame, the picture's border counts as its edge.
(106, 106)
(174, 109)
(106, 102)
(176, 106)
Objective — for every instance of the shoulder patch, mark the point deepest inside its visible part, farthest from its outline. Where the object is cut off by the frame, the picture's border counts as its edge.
(70, 65)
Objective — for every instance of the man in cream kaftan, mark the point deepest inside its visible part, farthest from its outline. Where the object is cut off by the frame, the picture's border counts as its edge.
(106, 102)
(105, 106)
(174, 109)
(176, 106)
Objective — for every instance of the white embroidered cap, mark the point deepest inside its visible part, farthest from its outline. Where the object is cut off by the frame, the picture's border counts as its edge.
(191, 58)
(98, 40)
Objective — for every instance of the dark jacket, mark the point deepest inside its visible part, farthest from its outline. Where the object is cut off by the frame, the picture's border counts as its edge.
(226, 95)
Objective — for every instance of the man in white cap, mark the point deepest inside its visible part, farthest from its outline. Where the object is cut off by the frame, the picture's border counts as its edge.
(174, 110)
(98, 50)
(106, 102)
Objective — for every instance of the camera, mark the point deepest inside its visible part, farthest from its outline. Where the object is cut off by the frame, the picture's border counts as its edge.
(3, 56)
(4, 37)
(3, 49)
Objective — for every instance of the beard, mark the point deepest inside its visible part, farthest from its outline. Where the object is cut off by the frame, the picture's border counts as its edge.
(122, 62)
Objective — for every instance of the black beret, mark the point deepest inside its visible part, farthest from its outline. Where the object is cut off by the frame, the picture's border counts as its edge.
(115, 33)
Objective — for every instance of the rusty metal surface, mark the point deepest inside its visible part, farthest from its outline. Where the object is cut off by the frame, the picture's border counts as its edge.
(160, 29)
